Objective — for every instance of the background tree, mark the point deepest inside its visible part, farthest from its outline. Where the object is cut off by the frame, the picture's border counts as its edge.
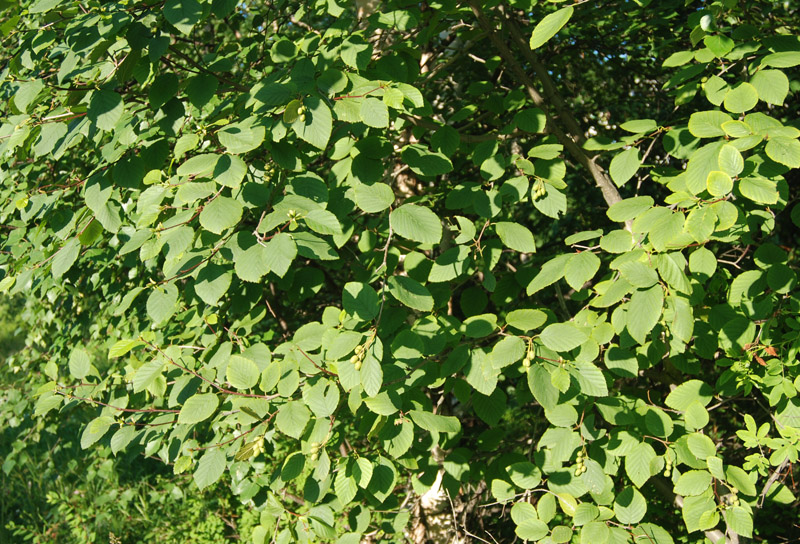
(405, 272)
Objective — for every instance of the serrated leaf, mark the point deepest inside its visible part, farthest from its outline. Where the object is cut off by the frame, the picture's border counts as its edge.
(624, 165)
(221, 214)
(629, 208)
(242, 373)
(435, 423)
(772, 86)
(639, 126)
(360, 300)
(686, 393)
(590, 379)
(562, 337)
(416, 223)
(644, 311)
(741, 98)
(581, 268)
(708, 124)
(516, 237)
(121, 347)
(411, 293)
(637, 463)
(323, 222)
(279, 253)
(526, 320)
(374, 113)
(784, 150)
(549, 27)
(65, 257)
(197, 408)
(630, 506)
(210, 468)
(162, 302)
(292, 418)
(79, 363)
(693, 482)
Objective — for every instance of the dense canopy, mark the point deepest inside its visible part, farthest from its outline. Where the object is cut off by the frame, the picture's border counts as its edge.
(404, 271)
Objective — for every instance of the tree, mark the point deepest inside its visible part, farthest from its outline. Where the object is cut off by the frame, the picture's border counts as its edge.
(376, 267)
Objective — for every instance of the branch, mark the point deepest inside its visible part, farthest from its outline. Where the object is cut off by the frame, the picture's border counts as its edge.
(572, 137)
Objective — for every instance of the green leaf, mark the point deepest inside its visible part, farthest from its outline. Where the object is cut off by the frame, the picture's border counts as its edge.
(197, 408)
(212, 283)
(784, 59)
(638, 462)
(411, 293)
(701, 446)
(183, 15)
(360, 300)
(630, 506)
(435, 423)
(741, 98)
(541, 387)
(740, 521)
(639, 126)
(629, 208)
(741, 480)
(221, 214)
(547, 28)
(241, 138)
(594, 532)
(772, 86)
(65, 257)
(478, 326)
(507, 351)
(708, 124)
(624, 165)
(79, 364)
(162, 303)
(590, 379)
(700, 512)
(760, 190)
(425, 162)
(105, 109)
(95, 430)
(242, 373)
(693, 482)
(719, 183)
(581, 268)
(279, 253)
(644, 311)
(292, 418)
(121, 347)
(416, 223)
(229, 171)
(730, 160)
(147, 375)
(199, 165)
(374, 113)
(318, 124)
(373, 198)
(562, 337)
(525, 474)
(516, 237)
(784, 150)
(551, 272)
(526, 320)
(371, 374)
(323, 222)
(210, 468)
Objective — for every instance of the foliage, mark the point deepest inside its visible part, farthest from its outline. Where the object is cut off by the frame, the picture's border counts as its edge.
(375, 270)
(53, 492)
